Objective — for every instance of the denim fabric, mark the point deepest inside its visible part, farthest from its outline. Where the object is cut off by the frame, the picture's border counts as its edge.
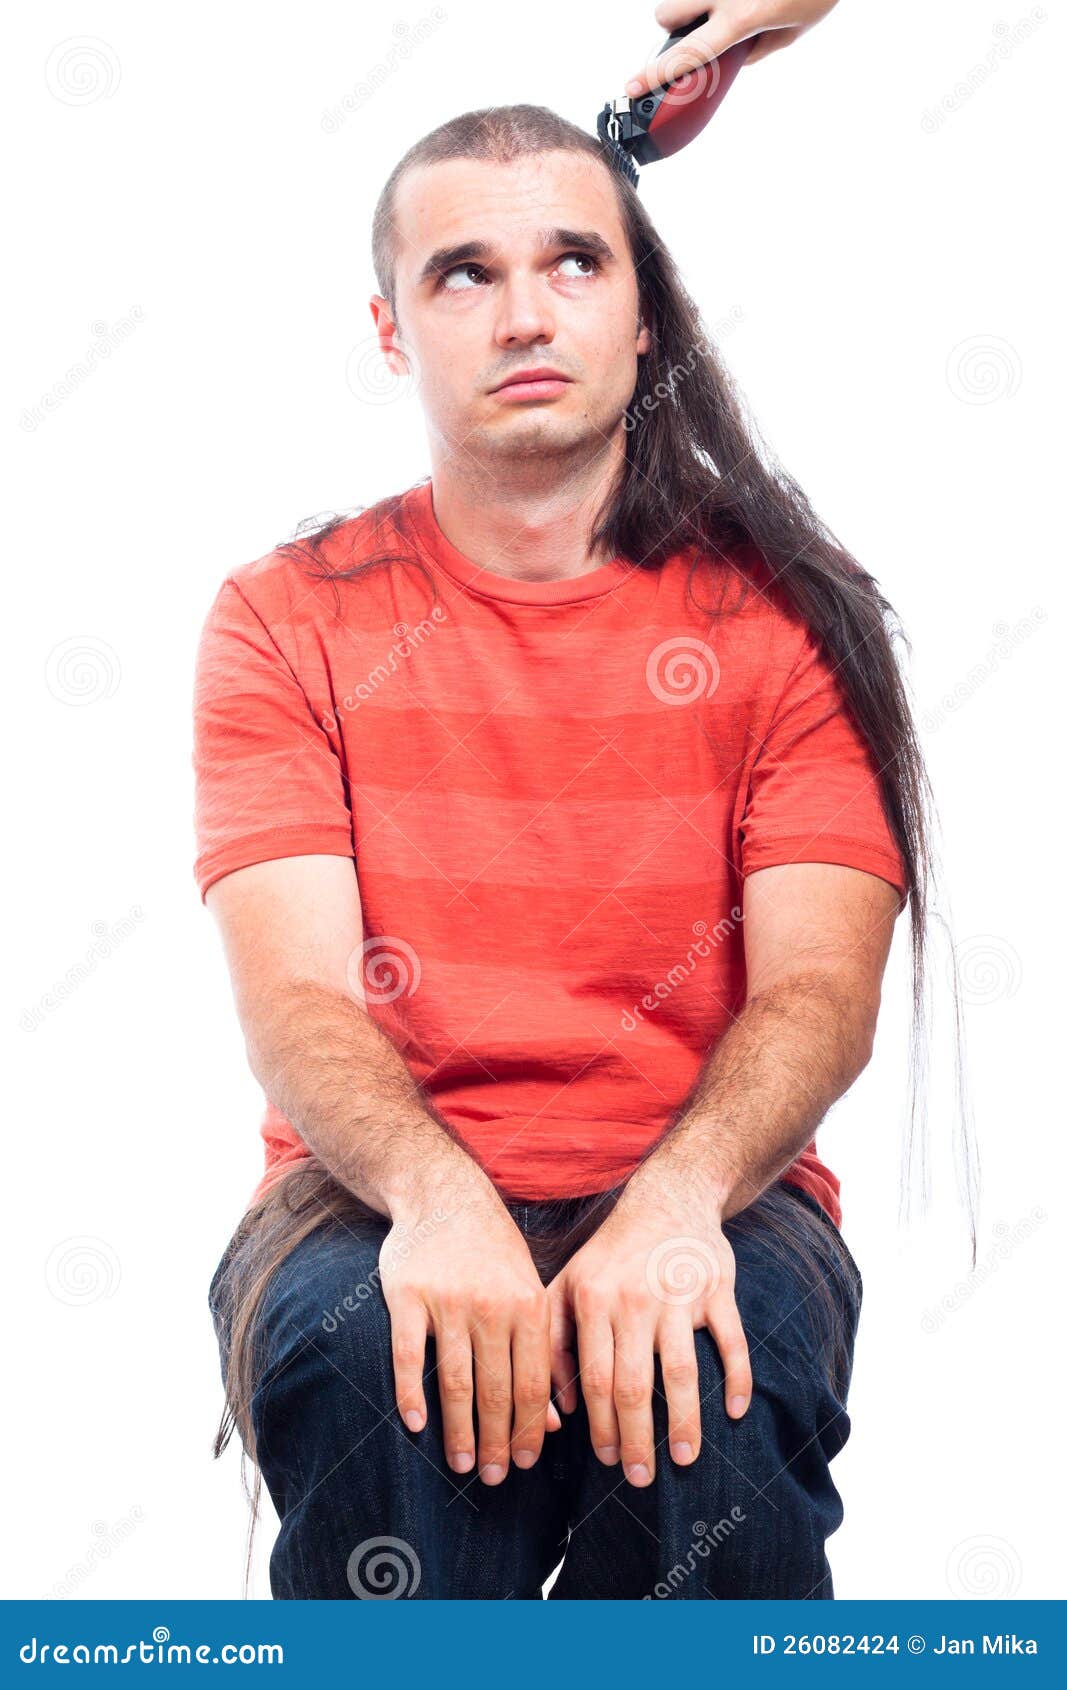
(371, 1510)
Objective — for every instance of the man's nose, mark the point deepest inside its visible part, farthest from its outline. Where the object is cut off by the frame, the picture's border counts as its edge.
(524, 312)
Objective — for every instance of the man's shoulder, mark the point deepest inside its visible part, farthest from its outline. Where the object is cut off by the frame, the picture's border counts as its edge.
(759, 614)
(324, 553)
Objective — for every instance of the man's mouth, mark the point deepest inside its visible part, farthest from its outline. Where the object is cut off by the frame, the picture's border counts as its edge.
(539, 382)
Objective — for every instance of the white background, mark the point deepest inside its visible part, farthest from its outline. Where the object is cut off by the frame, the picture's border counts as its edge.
(874, 216)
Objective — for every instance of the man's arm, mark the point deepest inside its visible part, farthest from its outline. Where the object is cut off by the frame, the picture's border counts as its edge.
(292, 929)
(817, 936)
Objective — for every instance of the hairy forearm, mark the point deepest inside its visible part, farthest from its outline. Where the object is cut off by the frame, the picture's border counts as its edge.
(326, 1064)
(791, 1053)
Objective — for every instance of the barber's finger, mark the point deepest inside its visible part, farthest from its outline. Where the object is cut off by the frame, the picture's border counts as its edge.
(771, 41)
(692, 53)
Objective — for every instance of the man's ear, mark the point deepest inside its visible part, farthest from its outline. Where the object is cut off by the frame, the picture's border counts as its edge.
(644, 334)
(388, 335)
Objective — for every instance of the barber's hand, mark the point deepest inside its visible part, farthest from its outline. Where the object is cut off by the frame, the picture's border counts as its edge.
(470, 1281)
(657, 1268)
(776, 22)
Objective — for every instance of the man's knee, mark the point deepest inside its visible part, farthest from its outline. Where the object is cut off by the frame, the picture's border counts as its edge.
(324, 1338)
(751, 1514)
(778, 1452)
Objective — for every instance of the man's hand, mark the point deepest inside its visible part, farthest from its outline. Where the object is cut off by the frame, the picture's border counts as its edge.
(470, 1280)
(777, 23)
(658, 1268)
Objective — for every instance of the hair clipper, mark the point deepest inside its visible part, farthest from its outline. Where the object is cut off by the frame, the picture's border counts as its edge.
(663, 121)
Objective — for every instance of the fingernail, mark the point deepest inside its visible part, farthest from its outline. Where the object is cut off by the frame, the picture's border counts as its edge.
(682, 1452)
(738, 1405)
(608, 1452)
(413, 1420)
(633, 87)
(493, 1474)
(463, 1461)
(525, 1457)
(638, 1473)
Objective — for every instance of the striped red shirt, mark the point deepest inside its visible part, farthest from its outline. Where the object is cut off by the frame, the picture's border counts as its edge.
(552, 792)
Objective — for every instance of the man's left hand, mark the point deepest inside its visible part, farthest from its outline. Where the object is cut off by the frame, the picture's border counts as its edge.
(657, 1268)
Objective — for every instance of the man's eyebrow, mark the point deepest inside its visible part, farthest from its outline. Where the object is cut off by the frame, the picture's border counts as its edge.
(476, 252)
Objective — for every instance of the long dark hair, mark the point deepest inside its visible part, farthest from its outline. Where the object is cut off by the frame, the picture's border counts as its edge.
(699, 478)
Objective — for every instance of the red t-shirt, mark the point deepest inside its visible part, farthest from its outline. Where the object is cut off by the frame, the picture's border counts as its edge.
(552, 792)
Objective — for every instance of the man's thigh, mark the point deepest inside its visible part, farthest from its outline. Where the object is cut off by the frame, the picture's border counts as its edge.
(369, 1509)
(750, 1517)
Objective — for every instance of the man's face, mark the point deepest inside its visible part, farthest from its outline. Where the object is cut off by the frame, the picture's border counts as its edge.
(504, 267)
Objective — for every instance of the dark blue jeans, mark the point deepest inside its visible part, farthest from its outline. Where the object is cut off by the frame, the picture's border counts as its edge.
(371, 1510)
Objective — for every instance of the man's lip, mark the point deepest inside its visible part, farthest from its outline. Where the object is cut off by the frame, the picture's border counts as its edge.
(532, 375)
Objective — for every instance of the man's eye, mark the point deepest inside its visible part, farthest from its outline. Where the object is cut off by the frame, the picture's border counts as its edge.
(458, 270)
(469, 270)
(583, 258)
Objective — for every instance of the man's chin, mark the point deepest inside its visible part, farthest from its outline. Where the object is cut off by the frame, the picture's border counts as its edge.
(540, 434)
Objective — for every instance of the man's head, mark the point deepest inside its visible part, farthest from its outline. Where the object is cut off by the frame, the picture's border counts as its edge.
(501, 244)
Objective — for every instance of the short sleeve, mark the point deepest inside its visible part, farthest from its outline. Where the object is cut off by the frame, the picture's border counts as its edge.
(814, 793)
(268, 782)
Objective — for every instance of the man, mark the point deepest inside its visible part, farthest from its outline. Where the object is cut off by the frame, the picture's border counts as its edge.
(556, 815)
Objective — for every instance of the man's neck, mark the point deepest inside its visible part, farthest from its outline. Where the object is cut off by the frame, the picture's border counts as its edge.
(525, 533)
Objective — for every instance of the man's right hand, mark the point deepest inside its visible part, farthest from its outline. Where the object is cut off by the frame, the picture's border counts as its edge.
(469, 1280)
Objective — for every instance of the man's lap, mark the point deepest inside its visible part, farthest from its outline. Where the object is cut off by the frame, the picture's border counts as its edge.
(749, 1517)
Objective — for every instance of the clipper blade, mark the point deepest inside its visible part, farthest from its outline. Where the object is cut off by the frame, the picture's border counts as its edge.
(617, 156)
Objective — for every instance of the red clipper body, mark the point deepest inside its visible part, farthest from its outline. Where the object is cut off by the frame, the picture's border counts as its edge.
(661, 122)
